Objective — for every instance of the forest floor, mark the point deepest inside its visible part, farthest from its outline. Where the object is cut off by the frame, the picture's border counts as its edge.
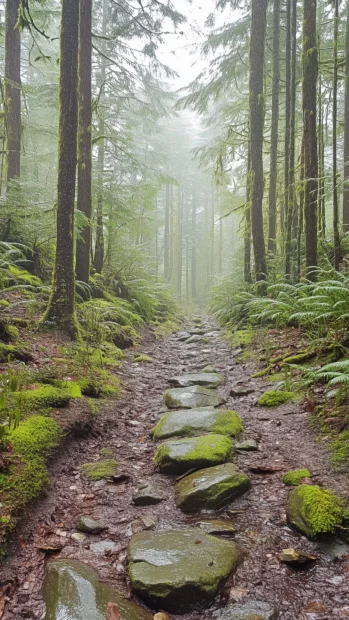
(285, 442)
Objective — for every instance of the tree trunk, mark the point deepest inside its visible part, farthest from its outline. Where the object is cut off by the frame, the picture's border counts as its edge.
(287, 113)
(84, 201)
(61, 308)
(257, 47)
(99, 243)
(274, 129)
(193, 248)
(180, 243)
(310, 72)
(291, 202)
(336, 238)
(212, 240)
(167, 235)
(247, 229)
(12, 91)
(346, 132)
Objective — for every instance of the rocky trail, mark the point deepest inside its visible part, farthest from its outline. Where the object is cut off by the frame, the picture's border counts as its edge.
(174, 563)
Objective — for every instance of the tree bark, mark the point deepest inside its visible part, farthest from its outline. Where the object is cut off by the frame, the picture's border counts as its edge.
(61, 308)
(193, 248)
(12, 91)
(284, 212)
(167, 235)
(180, 243)
(346, 132)
(336, 238)
(274, 129)
(247, 228)
(84, 201)
(257, 49)
(310, 72)
(291, 199)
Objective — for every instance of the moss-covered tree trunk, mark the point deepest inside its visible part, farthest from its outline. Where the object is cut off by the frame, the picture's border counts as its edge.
(291, 200)
(98, 260)
(257, 49)
(84, 201)
(12, 91)
(61, 308)
(284, 211)
(274, 128)
(193, 247)
(247, 226)
(336, 238)
(346, 132)
(310, 72)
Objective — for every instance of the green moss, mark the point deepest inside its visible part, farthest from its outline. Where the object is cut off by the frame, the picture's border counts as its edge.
(294, 478)
(315, 511)
(274, 398)
(72, 388)
(106, 452)
(219, 422)
(300, 358)
(100, 470)
(22, 277)
(90, 387)
(184, 454)
(10, 352)
(340, 448)
(142, 358)
(44, 397)
(241, 338)
(262, 373)
(4, 303)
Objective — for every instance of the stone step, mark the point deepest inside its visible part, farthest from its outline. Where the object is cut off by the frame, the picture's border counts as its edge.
(179, 570)
(192, 397)
(191, 422)
(206, 379)
(211, 489)
(182, 455)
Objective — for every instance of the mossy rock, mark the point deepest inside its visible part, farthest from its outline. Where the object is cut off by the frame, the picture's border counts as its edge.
(179, 570)
(76, 590)
(10, 352)
(188, 423)
(176, 457)
(44, 397)
(313, 511)
(192, 397)
(205, 379)
(90, 387)
(294, 478)
(100, 470)
(142, 359)
(211, 489)
(274, 398)
(22, 277)
(241, 338)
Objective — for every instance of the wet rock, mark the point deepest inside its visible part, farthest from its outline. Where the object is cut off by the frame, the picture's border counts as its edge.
(211, 489)
(195, 338)
(296, 558)
(217, 527)
(179, 570)
(104, 545)
(206, 379)
(192, 397)
(253, 610)
(149, 522)
(100, 470)
(250, 445)
(188, 423)
(209, 368)
(181, 455)
(90, 526)
(79, 537)
(147, 494)
(73, 591)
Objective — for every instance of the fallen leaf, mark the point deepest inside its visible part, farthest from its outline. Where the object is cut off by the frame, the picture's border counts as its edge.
(315, 607)
(113, 612)
(293, 556)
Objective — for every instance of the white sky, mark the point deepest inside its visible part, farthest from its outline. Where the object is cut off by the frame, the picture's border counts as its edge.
(178, 51)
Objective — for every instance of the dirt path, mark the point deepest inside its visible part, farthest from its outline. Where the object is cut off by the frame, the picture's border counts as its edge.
(284, 440)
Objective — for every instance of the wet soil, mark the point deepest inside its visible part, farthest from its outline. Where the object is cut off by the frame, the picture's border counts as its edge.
(285, 442)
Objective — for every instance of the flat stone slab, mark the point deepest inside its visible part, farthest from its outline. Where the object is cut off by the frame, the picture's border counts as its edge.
(73, 591)
(192, 397)
(179, 570)
(90, 526)
(191, 422)
(195, 338)
(181, 455)
(250, 445)
(147, 494)
(211, 489)
(253, 610)
(217, 527)
(206, 379)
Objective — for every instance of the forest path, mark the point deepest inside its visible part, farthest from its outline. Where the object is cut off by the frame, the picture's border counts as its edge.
(284, 441)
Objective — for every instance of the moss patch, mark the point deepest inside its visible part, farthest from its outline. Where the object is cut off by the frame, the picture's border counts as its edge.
(45, 397)
(22, 277)
(294, 478)
(185, 454)
(314, 511)
(274, 398)
(241, 338)
(100, 470)
(189, 423)
(9, 352)
(143, 359)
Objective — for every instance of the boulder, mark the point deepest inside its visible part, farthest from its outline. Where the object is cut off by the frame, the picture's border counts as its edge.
(179, 570)
(181, 455)
(192, 397)
(206, 379)
(188, 423)
(73, 591)
(211, 489)
(252, 610)
(313, 511)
